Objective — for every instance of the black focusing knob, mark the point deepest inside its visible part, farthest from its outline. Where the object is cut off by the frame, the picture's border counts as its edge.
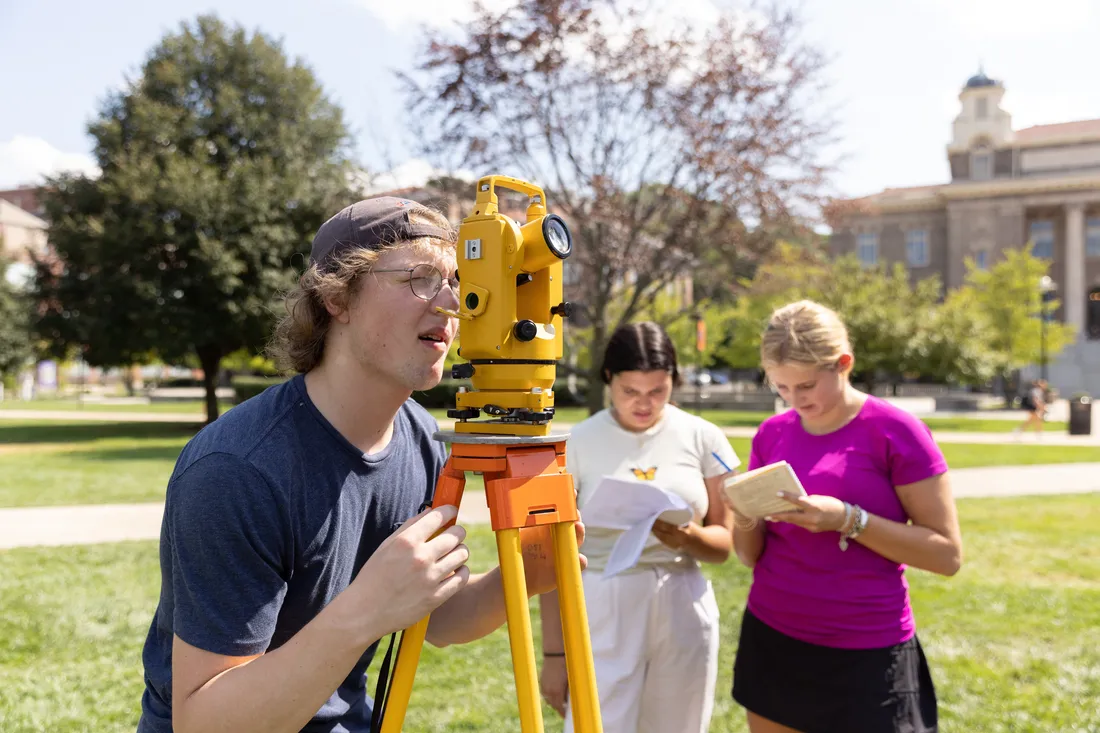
(564, 309)
(525, 330)
(464, 370)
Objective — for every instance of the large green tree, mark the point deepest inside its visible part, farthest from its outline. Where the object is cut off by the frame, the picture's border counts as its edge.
(1007, 298)
(15, 310)
(896, 327)
(884, 313)
(218, 163)
(789, 273)
(953, 343)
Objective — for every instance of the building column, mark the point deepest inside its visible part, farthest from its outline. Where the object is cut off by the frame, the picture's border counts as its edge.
(954, 270)
(1075, 267)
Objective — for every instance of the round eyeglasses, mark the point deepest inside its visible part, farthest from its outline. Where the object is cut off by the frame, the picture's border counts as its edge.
(426, 280)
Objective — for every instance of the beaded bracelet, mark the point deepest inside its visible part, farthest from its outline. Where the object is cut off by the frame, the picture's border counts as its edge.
(846, 525)
(857, 527)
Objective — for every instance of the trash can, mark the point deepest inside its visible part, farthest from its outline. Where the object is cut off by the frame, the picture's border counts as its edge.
(1080, 415)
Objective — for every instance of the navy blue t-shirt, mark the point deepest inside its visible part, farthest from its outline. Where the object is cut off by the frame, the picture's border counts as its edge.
(270, 514)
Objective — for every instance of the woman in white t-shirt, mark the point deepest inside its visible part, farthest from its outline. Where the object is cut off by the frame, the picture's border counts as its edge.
(654, 627)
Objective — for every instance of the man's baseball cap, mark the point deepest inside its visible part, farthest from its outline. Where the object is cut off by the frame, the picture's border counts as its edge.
(371, 224)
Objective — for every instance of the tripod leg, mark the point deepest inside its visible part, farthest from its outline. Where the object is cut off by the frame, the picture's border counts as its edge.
(448, 490)
(584, 701)
(519, 629)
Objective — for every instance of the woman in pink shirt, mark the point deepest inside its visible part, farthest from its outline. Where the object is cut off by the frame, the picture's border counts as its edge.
(828, 641)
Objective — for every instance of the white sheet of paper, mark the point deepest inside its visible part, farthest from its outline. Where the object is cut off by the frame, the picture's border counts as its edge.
(632, 506)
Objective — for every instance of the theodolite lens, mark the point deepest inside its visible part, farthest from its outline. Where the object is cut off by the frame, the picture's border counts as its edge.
(557, 236)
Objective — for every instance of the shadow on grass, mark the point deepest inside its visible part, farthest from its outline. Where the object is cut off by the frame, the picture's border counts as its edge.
(50, 432)
(140, 453)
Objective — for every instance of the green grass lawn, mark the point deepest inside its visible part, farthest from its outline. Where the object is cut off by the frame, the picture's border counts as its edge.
(56, 463)
(979, 425)
(1013, 639)
(564, 415)
(53, 463)
(976, 455)
(747, 419)
(182, 406)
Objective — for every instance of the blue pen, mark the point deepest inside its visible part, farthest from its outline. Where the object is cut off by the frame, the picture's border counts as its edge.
(715, 454)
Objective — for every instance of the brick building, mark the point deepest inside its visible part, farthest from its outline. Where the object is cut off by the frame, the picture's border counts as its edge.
(27, 198)
(1007, 187)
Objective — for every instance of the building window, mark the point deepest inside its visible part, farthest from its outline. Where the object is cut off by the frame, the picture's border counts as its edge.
(867, 249)
(981, 259)
(983, 108)
(1042, 239)
(916, 247)
(1092, 238)
(981, 165)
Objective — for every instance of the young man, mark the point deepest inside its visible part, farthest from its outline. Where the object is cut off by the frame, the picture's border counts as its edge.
(287, 549)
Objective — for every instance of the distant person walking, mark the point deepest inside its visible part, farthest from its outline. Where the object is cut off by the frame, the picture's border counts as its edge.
(1035, 402)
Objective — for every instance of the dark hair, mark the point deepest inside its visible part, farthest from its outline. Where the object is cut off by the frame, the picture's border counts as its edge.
(639, 347)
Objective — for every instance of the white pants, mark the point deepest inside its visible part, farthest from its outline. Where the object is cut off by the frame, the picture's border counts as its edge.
(655, 648)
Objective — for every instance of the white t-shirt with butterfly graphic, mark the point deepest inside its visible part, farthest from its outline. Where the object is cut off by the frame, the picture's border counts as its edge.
(678, 454)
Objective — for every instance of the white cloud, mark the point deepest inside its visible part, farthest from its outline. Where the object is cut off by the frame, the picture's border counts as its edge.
(440, 13)
(414, 172)
(1016, 19)
(400, 15)
(1041, 107)
(25, 160)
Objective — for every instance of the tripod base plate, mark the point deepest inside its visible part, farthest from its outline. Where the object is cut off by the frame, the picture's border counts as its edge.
(450, 436)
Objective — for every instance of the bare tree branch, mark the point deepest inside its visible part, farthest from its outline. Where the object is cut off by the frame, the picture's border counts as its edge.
(669, 150)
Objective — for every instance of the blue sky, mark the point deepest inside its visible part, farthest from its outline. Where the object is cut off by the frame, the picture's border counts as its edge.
(897, 66)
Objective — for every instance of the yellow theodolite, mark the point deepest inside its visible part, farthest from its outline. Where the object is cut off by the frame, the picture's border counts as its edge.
(511, 313)
(510, 332)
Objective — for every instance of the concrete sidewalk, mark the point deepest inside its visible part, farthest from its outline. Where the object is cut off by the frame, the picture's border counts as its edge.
(78, 525)
(91, 414)
(95, 523)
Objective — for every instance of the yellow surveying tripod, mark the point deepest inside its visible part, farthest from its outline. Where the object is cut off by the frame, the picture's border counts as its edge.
(510, 332)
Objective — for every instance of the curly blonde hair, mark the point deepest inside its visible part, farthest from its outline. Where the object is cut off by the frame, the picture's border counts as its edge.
(804, 333)
(298, 343)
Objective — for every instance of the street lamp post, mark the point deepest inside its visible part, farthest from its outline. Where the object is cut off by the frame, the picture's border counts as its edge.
(1046, 294)
(700, 347)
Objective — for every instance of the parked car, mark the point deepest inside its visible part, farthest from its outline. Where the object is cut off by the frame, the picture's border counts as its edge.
(700, 378)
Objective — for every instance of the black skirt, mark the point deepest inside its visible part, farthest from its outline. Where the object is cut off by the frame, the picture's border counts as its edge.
(820, 689)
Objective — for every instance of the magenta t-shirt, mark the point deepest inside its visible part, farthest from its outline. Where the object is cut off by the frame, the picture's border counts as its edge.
(803, 585)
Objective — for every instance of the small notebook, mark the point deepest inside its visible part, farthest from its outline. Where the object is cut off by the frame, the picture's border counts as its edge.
(753, 493)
